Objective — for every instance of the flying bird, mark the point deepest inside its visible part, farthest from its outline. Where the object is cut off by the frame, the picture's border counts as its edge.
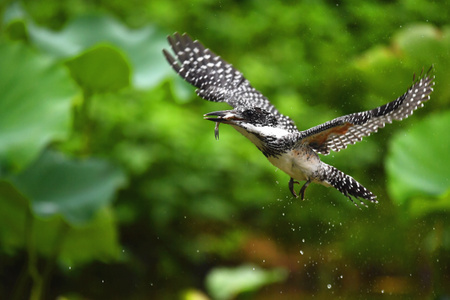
(275, 135)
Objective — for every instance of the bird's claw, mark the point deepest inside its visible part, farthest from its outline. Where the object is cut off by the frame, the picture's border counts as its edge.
(302, 190)
(291, 187)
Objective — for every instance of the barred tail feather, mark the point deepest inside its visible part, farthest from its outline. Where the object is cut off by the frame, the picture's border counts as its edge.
(347, 185)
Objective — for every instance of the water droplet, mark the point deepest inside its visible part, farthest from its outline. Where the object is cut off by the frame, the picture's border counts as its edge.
(103, 281)
(382, 291)
(329, 286)
(301, 252)
(70, 268)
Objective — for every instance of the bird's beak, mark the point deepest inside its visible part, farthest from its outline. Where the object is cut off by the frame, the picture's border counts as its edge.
(223, 116)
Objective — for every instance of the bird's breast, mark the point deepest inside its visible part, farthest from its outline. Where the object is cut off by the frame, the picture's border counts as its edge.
(301, 163)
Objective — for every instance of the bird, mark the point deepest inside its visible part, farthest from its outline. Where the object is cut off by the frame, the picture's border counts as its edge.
(293, 151)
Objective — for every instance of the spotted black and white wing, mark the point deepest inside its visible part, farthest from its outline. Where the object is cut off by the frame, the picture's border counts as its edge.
(216, 79)
(338, 133)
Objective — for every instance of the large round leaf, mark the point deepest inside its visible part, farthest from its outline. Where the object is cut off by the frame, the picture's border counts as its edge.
(142, 46)
(418, 161)
(75, 189)
(35, 102)
(96, 239)
(100, 69)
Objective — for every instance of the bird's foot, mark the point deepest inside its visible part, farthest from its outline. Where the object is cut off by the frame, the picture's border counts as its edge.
(302, 190)
(291, 186)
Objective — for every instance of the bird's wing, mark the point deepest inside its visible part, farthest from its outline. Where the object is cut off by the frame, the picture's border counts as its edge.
(338, 133)
(215, 79)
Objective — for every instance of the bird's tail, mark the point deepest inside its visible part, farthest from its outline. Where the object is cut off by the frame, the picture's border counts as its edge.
(347, 185)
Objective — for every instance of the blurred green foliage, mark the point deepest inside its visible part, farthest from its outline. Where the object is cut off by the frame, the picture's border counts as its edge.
(26, 102)
(412, 165)
(113, 187)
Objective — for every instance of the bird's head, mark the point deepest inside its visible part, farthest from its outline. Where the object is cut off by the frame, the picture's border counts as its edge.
(251, 122)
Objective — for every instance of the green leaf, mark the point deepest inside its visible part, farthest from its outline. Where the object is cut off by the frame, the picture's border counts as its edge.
(418, 162)
(226, 283)
(16, 30)
(13, 213)
(35, 103)
(75, 189)
(96, 239)
(422, 206)
(142, 46)
(100, 69)
(419, 40)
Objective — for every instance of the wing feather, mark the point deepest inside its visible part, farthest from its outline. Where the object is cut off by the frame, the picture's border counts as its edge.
(338, 133)
(216, 80)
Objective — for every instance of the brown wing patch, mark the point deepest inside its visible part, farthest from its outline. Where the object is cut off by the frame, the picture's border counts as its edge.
(317, 140)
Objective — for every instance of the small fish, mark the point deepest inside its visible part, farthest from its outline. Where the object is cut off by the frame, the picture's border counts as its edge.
(216, 130)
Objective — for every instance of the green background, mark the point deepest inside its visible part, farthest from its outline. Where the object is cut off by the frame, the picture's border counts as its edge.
(112, 185)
